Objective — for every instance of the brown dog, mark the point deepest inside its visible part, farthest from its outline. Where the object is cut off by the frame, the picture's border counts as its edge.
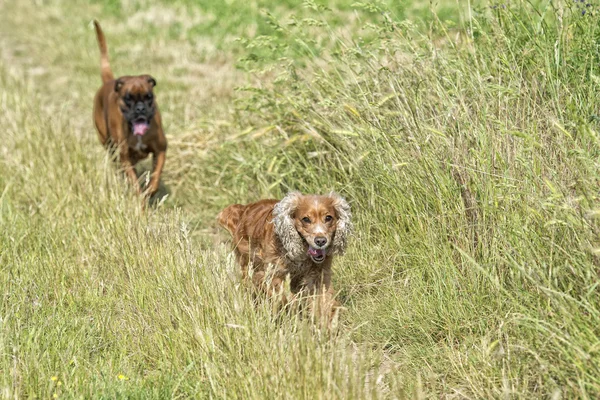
(298, 236)
(126, 116)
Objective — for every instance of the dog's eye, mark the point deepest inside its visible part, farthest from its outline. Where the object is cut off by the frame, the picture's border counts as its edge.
(328, 218)
(149, 97)
(306, 220)
(127, 98)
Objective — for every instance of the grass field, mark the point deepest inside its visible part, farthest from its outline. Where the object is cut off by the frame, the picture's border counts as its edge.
(465, 134)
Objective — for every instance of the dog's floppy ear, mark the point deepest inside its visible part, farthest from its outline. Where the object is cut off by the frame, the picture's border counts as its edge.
(118, 84)
(151, 81)
(344, 224)
(283, 214)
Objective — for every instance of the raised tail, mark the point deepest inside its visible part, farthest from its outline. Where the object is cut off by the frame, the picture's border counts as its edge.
(229, 218)
(105, 70)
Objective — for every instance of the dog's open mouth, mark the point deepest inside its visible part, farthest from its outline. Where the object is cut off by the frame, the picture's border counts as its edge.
(140, 127)
(317, 255)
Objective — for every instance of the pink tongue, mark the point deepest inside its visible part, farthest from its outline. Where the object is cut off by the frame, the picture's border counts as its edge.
(315, 252)
(139, 128)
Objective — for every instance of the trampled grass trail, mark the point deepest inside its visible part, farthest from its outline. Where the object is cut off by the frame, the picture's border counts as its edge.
(466, 140)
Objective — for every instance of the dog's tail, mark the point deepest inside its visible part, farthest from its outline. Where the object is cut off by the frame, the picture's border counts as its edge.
(105, 70)
(229, 218)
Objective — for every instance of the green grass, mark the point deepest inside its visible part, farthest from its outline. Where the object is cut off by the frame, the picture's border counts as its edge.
(465, 136)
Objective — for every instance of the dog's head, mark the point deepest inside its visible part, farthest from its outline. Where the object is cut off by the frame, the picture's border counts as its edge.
(136, 101)
(313, 226)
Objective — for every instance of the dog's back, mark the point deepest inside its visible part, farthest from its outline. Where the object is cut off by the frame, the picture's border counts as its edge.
(250, 220)
(229, 218)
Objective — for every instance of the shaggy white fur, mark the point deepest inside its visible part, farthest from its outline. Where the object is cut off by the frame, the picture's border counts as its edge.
(344, 226)
(285, 229)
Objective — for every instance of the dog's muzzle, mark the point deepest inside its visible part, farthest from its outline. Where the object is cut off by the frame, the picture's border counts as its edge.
(317, 255)
(139, 116)
(140, 126)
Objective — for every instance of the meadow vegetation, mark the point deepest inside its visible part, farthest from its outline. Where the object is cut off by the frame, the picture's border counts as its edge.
(464, 134)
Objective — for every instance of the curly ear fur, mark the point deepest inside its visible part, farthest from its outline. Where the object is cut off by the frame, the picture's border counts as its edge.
(344, 226)
(284, 226)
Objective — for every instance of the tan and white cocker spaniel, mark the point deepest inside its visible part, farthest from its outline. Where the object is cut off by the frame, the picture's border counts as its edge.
(298, 236)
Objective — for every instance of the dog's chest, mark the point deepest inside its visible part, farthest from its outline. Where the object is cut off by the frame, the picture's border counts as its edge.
(137, 147)
(298, 267)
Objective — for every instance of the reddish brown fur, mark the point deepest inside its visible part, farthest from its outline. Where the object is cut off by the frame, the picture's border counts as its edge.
(257, 245)
(112, 127)
(251, 229)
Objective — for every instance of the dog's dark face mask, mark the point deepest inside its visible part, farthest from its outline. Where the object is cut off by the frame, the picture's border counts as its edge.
(137, 102)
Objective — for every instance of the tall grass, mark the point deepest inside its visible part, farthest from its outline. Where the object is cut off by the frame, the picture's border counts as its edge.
(101, 298)
(471, 155)
(466, 141)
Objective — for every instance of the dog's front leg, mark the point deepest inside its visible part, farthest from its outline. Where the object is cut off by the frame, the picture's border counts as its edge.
(322, 304)
(270, 281)
(158, 162)
(128, 167)
(118, 129)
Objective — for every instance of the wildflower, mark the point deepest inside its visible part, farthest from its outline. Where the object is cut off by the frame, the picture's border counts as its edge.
(122, 377)
(55, 396)
(54, 378)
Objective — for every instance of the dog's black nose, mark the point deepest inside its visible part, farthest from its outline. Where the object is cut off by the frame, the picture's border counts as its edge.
(140, 107)
(320, 241)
